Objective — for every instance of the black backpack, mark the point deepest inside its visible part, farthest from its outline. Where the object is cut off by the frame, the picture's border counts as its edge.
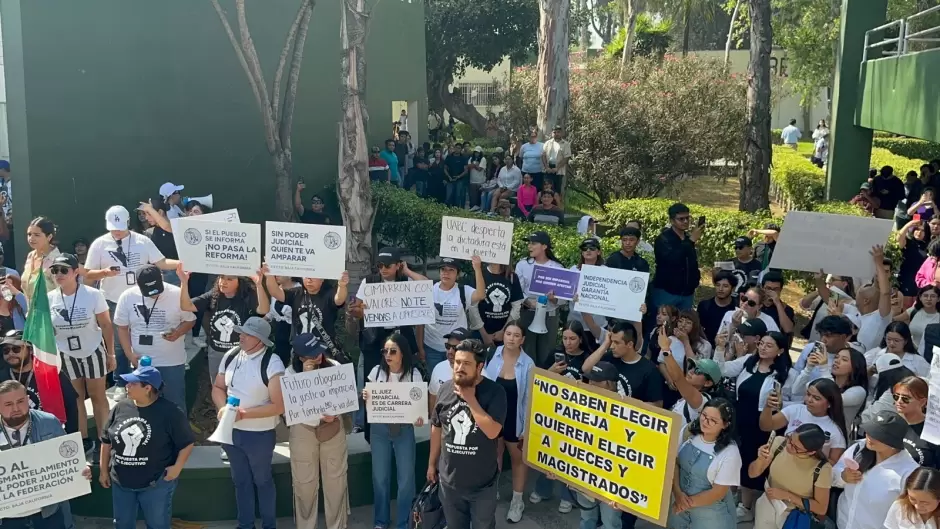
(265, 361)
(426, 510)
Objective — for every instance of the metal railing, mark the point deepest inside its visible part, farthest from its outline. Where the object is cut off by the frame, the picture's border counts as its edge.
(902, 43)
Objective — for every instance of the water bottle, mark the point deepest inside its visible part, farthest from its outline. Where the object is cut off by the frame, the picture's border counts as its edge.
(144, 361)
(7, 293)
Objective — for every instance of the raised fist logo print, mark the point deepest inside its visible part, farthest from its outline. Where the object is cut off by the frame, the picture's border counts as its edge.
(462, 424)
(498, 298)
(226, 327)
(132, 436)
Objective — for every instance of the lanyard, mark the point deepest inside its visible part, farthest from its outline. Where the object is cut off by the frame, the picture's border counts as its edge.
(29, 379)
(71, 312)
(146, 313)
(23, 439)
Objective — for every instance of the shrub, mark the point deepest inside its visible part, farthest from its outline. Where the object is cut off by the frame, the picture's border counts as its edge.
(909, 147)
(901, 164)
(795, 182)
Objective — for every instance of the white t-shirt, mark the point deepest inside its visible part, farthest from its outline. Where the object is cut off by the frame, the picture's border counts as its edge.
(896, 519)
(137, 249)
(478, 176)
(174, 212)
(872, 329)
(443, 372)
(798, 415)
(74, 317)
(165, 315)
(377, 375)
(768, 321)
(243, 381)
(682, 408)
(920, 321)
(725, 468)
(449, 314)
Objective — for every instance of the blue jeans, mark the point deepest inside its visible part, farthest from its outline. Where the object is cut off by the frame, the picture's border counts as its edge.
(421, 187)
(610, 518)
(384, 448)
(660, 297)
(250, 458)
(432, 357)
(123, 365)
(545, 488)
(156, 501)
(457, 193)
(486, 199)
(35, 521)
(174, 385)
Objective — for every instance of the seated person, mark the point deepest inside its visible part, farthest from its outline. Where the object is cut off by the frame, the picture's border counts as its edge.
(546, 212)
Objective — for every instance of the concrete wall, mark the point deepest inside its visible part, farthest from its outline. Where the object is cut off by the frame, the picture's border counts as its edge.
(900, 95)
(110, 98)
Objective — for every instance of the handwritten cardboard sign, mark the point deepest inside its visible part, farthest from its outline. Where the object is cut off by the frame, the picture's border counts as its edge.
(310, 395)
(463, 238)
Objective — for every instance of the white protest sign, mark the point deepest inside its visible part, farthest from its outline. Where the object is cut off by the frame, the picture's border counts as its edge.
(397, 402)
(931, 432)
(305, 250)
(313, 394)
(231, 249)
(463, 238)
(397, 303)
(612, 292)
(41, 474)
(838, 244)
(228, 215)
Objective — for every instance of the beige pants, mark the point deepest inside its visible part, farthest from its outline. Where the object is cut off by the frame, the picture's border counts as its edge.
(309, 459)
(766, 516)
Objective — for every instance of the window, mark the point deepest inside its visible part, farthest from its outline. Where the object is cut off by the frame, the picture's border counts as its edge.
(478, 94)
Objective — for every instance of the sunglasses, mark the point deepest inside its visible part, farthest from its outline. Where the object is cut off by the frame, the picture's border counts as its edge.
(449, 347)
(748, 302)
(589, 248)
(905, 399)
(11, 349)
(383, 265)
(60, 270)
(390, 352)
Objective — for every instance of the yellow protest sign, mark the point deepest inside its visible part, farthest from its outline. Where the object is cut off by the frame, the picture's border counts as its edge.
(609, 447)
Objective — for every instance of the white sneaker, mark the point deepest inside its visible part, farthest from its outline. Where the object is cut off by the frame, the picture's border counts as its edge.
(744, 514)
(200, 342)
(476, 208)
(564, 507)
(119, 394)
(535, 498)
(515, 511)
(223, 454)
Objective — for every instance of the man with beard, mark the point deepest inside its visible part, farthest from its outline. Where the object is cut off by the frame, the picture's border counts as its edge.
(21, 425)
(465, 426)
(18, 357)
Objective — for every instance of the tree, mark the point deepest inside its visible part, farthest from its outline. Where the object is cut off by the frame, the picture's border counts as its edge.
(355, 193)
(691, 13)
(734, 15)
(755, 179)
(277, 114)
(477, 33)
(630, 14)
(553, 65)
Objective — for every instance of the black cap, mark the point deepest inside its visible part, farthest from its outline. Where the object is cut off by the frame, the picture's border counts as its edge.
(389, 256)
(743, 242)
(631, 231)
(540, 237)
(150, 280)
(753, 327)
(66, 259)
(590, 242)
(887, 427)
(459, 333)
(601, 372)
(449, 262)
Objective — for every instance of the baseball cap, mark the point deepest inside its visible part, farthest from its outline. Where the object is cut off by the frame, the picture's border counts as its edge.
(169, 188)
(257, 327)
(708, 368)
(116, 218)
(308, 345)
(449, 262)
(753, 327)
(66, 259)
(5, 165)
(887, 362)
(459, 333)
(145, 375)
(887, 427)
(12, 337)
(150, 280)
(865, 185)
(852, 314)
(590, 242)
(743, 242)
(540, 237)
(601, 372)
(478, 149)
(389, 256)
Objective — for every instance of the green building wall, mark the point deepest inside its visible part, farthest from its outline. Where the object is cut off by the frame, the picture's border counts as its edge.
(900, 95)
(108, 99)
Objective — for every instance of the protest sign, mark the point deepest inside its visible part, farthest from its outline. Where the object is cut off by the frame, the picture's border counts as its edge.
(612, 292)
(463, 238)
(313, 394)
(931, 432)
(41, 474)
(838, 244)
(305, 250)
(397, 303)
(562, 282)
(397, 402)
(228, 215)
(608, 447)
(222, 248)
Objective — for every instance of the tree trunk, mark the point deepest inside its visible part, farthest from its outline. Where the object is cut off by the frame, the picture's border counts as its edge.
(283, 190)
(629, 40)
(755, 181)
(584, 32)
(553, 65)
(687, 29)
(440, 98)
(734, 16)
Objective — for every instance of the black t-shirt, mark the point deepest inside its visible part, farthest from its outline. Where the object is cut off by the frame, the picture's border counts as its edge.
(465, 450)
(164, 242)
(455, 164)
(420, 175)
(772, 312)
(312, 217)
(749, 271)
(710, 314)
(889, 190)
(634, 263)
(574, 366)
(912, 257)
(314, 313)
(144, 441)
(496, 305)
(228, 314)
(924, 453)
(640, 380)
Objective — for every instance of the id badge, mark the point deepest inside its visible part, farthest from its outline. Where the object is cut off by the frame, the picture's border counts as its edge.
(75, 343)
(130, 278)
(145, 339)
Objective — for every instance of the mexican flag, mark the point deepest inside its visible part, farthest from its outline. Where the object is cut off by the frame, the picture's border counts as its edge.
(46, 365)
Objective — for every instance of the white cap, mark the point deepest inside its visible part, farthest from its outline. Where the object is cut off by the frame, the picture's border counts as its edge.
(887, 362)
(116, 218)
(850, 311)
(169, 188)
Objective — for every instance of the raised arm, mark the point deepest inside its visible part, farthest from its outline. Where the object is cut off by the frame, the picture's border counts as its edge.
(186, 303)
(884, 284)
(480, 291)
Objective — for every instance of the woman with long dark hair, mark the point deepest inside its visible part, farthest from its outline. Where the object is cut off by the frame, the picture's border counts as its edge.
(912, 239)
(850, 373)
(689, 332)
(923, 313)
(918, 507)
(393, 442)
(577, 343)
(590, 255)
(890, 371)
(314, 307)
(872, 473)
(708, 465)
(540, 346)
(910, 401)
(899, 341)
(40, 235)
(13, 310)
(157, 213)
(821, 405)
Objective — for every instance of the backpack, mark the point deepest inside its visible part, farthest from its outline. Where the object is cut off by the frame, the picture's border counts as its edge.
(474, 321)
(265, 361)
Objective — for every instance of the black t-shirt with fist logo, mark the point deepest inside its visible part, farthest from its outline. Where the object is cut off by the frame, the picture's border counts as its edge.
(496, 305)
(226, 314)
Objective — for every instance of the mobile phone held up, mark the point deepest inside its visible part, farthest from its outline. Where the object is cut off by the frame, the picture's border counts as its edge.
(701, 221)
(560, 358)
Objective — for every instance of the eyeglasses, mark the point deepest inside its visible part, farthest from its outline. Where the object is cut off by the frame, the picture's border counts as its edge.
(710, 421)
(791, 444)
(905, 399)
(390, 352)
(316, 202)
(59, 270)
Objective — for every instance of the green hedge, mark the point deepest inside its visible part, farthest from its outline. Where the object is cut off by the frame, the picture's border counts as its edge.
(901, 164)
(909, 147)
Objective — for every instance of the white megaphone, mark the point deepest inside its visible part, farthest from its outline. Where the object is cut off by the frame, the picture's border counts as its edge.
(205, 201)
(538, 322)
(223, 432)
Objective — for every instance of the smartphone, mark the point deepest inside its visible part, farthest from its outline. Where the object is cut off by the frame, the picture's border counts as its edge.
(773, 435)
(560, 358)
(916, 217)
(115, 268)
(817, 347)
(300, 180)
(778, 388)
(701, 220)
